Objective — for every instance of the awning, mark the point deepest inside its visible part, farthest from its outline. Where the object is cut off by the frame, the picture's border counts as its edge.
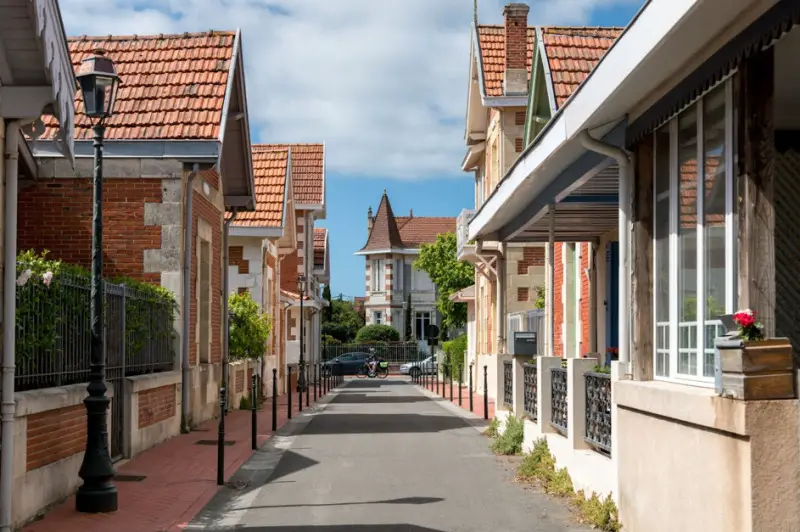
(465, 295)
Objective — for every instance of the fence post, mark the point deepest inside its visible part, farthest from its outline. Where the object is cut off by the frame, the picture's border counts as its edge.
(485, 391)
(253, 417)
(470, 386)
(274, 399)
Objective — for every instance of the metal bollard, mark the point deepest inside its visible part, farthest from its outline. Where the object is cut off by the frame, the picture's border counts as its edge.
(299, 388)
(274, 399)
(308, 387)
(221, 439)
(485, 392)
(289, 391)
(460, 382)
(339, 375)
(470, 386)
(450, 377)
(316, 381)
(253, 416)
(436, 379)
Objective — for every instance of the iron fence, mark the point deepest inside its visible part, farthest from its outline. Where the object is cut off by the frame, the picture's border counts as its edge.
(529, 378)
(393, 353)
(53, 332)
(508, 384)
(598, 410)
(558, 397)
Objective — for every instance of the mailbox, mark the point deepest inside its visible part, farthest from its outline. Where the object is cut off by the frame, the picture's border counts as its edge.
(525, 343)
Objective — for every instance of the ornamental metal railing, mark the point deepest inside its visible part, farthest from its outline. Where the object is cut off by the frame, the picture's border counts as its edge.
(529, 403)
(558, 398)
(508, 384)
(598, 410)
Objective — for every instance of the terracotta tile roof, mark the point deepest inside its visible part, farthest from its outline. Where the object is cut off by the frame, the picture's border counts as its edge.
(319, 246)
(269, 169)
(492, 43)
(572, 53)
(384, 233)
(173, 86)
(308, 173)
(418, 230)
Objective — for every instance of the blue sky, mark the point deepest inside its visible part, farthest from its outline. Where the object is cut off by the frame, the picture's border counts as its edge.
(383, 84)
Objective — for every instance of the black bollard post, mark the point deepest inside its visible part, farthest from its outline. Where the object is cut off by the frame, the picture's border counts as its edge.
(470, 386)
(274, 400)
(221, 439)
(450, 377)
(460, 381)
(436, 378)
(254, 420)
(339, 375)
(485, 392)
(289, 391)
(299, 388)
(316, 381)
(308, 387)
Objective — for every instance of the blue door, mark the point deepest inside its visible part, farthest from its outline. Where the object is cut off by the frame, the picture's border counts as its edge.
(612, 301)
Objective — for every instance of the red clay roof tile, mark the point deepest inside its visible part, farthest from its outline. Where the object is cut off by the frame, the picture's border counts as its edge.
(269, 169)
(308, 173)
(492, 43)
(172, 86)
(320, 234)
(418, 230)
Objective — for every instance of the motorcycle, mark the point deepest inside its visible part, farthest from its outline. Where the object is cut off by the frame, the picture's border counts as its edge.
(381, 371)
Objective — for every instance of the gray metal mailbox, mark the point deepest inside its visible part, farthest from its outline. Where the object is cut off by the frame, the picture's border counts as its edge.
(525, 343)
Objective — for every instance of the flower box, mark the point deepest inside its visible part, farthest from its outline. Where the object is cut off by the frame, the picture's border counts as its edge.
(756, 370)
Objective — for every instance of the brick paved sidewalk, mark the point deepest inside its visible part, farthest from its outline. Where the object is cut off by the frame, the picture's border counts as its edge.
(477, 399)
(181, 478)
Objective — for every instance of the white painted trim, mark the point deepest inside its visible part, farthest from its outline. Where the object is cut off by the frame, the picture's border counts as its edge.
(548, 75)
(401, 251)
(261, 232)
(207, 150)
(731, 220)
(309, 206)
(493, 101)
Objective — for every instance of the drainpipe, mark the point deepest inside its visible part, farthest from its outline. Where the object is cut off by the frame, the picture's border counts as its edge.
(501, 300)
(625, 178)
(187, 263)
(11, 153)
(591, 276)
(550, 305)
(225, 289)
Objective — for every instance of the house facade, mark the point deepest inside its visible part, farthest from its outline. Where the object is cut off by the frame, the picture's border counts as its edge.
(37, 78)
(169, 177)
(393, 243)
(683, 141)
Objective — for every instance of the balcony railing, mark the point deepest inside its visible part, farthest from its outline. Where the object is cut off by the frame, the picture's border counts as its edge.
(529, 402)
(508, 384)
(462, 231)
(598, 410)
(558, 399)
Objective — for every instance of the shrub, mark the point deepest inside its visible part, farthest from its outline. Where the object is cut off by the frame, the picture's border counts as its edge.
(454, 351)
(244, 403)
(510, 441)
(249, 327)
(493, 429)
(336, 330)
(377, 333)
(330, 340)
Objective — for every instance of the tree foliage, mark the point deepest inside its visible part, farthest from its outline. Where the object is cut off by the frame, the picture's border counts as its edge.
(249, 328)
(345, 321)
(327, 314)
(377, 333)
(439, 260)
(408, 316)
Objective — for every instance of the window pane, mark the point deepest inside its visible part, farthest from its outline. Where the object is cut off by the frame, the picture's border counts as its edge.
(661, 248)
(687, 242)
(714, 187)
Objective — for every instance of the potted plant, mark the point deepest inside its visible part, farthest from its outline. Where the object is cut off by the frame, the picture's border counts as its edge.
(754, 367)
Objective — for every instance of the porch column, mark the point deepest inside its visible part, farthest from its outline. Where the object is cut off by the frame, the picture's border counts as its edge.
(551, 284)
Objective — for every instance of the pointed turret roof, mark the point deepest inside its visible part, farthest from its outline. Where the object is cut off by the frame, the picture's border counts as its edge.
(384, 233)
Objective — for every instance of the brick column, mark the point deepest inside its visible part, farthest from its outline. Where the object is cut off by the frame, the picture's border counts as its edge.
(576, 400)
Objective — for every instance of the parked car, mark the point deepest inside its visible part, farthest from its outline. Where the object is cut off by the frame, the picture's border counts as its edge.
(415, 369)
(348, 364)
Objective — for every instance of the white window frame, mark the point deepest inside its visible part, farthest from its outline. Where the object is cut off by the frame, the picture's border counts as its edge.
(421, 315)
(731, 223)
(397, 277)
(378, 278)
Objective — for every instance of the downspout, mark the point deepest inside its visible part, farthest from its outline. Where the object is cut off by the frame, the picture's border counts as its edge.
(11, 155)
(550, 305)
(187, 264)
(625, 170)
(501, 299)
(225, 288)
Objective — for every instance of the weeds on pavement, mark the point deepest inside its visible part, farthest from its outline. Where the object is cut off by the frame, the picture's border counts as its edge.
(510, 441)
(494, 428)
(539, 465)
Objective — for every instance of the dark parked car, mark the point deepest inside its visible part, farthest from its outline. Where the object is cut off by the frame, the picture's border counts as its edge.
(348, 364)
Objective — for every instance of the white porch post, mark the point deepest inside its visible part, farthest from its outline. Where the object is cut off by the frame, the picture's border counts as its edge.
(551, 284)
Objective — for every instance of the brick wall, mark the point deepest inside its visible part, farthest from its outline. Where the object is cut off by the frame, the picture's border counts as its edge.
(558, 304)
(236, 258)
(531, 256)
(56, 215)
(205, 210)
(289, 266)
(55, 435)
(238, 385)
(156, 404)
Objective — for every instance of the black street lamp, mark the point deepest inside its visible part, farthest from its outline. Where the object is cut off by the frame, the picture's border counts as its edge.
(99, 82)
(301, 288)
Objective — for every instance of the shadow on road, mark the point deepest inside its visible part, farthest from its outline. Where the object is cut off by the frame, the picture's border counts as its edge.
(388, 423)
(341, 528)
(362, 398)
(290, 463)
(404, 500)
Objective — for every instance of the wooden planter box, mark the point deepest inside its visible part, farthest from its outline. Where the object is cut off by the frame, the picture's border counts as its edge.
(754, 371)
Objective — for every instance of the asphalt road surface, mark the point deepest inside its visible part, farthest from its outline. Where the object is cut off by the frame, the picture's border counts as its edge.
(380, 456)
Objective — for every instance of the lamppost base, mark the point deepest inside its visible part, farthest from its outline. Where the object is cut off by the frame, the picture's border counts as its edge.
(102, 499)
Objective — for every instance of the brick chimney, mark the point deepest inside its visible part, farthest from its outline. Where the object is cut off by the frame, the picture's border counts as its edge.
(515, 81)
(370, 219)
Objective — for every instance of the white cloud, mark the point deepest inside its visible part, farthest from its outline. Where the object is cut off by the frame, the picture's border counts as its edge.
(382, 82)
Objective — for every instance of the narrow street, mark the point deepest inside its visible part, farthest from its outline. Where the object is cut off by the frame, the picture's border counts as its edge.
(380, 455)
